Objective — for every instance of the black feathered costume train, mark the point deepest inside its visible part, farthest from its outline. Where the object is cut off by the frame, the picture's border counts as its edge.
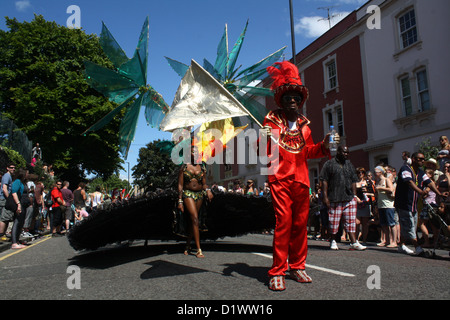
(154, 217)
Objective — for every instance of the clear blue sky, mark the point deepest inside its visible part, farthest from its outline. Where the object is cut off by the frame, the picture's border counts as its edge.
(189, 29)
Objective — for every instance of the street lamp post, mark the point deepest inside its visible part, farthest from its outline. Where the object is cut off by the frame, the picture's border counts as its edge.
(292, 31)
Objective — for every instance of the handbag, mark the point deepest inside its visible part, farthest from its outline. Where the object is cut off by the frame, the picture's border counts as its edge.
(11, 204)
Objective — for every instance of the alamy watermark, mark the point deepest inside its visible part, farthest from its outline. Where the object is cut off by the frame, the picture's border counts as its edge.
(74, 20)
(374, 280)
(374, 20)
(74, 280)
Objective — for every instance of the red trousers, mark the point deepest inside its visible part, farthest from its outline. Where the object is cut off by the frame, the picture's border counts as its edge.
(290, 201)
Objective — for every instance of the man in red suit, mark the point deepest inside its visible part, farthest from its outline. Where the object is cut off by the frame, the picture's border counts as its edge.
(289, 182)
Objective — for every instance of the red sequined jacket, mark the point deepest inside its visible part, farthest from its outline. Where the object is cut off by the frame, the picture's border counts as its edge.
(295, 148)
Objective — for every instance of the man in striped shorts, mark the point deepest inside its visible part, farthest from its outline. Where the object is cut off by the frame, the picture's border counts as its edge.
(339, 179)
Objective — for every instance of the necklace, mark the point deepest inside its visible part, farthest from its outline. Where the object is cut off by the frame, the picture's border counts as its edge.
(416, 180)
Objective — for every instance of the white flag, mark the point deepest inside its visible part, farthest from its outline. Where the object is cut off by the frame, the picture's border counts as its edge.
(200, 98)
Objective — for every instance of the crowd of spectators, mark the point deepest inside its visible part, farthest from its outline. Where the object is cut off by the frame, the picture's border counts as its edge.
(377, 219)
(55, 208)
(46, 205)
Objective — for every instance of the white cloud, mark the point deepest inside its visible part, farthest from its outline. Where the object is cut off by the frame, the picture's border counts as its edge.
(358, 2)
(315, 26)
(345, 2)
(22, 5)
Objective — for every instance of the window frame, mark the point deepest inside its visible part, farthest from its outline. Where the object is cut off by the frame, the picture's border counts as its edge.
(406, 42)
(336, 111)
(421, 92)
(331, 78)
(404, 97)
(327, 80)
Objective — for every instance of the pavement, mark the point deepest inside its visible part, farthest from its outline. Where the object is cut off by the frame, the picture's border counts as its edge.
(6, 244)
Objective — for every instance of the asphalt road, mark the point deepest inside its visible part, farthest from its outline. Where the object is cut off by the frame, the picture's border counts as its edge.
(234, 269)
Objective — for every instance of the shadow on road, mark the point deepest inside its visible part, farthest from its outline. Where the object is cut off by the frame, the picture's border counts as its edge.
(112, 256)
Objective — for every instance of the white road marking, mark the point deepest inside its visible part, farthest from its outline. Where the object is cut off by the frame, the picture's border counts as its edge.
(339, 273)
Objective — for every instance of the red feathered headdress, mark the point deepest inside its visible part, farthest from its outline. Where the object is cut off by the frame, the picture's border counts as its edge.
(286, 78)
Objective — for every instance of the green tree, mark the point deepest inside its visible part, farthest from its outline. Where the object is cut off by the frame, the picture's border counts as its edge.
(43, 90)
(428, 149)
(109, 184)
(15, 157)
(155, 169)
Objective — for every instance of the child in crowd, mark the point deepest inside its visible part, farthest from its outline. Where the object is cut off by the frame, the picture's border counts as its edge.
(444, 212)
(428, 200)
(80, 214)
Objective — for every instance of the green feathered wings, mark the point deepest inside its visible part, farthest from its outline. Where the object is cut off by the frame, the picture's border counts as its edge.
(126, 86)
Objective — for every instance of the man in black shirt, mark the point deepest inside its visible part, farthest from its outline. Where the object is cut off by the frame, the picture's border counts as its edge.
(411, 182)
(339, 179)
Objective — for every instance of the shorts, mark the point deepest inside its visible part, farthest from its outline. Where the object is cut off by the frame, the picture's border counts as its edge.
(387, 216)
(68, 213)
(408, 223)
(56, 216)
(5, 215)
(348, 209)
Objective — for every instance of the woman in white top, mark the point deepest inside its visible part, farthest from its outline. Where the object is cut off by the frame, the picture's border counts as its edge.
(96, 198)
(386, 208)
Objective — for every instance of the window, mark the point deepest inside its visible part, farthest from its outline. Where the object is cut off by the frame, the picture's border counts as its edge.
(334, 116)
(340, 121)
(422, 90)
(408, 30)
(330, 119)
(414, 95)
(406, 96)
(332, 75)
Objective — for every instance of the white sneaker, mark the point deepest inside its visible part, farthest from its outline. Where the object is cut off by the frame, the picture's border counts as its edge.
(25, 234)
(405, 249)
(357, 246)
(333, 245)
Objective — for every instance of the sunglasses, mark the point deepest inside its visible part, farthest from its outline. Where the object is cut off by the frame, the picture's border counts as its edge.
(11, 167)
(420, 159)
(289, 98)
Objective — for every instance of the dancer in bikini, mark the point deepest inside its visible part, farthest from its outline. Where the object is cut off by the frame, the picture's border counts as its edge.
(192, 189)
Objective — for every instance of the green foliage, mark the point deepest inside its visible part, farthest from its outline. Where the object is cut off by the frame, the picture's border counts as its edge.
(15, 157)
(43, 176)
(106, 186)
(428, 149)
(154, 169)
(43, 90)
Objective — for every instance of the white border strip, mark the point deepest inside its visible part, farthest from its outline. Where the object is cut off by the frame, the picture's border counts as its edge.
(339, 273)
